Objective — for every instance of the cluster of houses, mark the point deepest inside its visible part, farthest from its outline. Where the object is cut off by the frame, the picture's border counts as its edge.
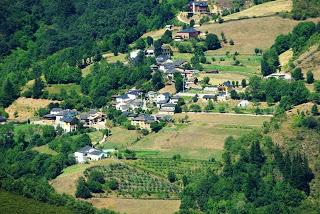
(69, 119)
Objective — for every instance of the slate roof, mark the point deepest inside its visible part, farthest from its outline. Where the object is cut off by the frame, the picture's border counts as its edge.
(56, 109)
(162, 58)
(124, 96)
(50, 116)
(90, 150)
(144, 117)
(189, 30)
(200, 3)
(207, 96)
(228, 84)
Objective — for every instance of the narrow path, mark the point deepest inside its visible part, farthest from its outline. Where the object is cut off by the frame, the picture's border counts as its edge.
(181, 19)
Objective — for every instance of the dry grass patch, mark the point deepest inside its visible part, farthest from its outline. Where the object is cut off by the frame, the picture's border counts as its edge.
(223, 76)
(67, 181)
(249, 34)
(310, 61)
(137, 206)
(285, 57)
(265, 9)
(168, 88)
(26, 108)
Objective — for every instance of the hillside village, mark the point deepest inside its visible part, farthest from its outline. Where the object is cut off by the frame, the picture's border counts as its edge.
(185, 106)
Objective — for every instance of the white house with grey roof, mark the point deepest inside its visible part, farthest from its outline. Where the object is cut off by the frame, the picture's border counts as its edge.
(88, 153)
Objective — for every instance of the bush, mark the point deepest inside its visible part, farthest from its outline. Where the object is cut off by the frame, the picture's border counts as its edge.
(82, 189)
(113, 184)
(172, 177)
(310, 122)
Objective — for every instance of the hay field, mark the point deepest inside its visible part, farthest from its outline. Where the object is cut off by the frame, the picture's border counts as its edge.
(249, 34)
(203, 137)
(121, 138)
(45, 150)
(265, 9)
(137, 206)
(26, 108)
(56, 88)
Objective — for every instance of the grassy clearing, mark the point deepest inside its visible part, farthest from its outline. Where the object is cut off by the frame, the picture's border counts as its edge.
(310, 61)
(56, 88)
(12, 203)
(87, 70)
(96, 136)
(121, 138)
(26, 108)
(168, 88)
(112, 58)
(137, 206)
(66, 182)
(249, 34)
(265, 9)
(223, 76)
(203, 137)
(45, 150)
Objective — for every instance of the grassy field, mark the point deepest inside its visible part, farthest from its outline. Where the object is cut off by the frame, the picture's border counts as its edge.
(12, 203)
(265, 9)
(45, 150)
(203, 137)
(310, 61)
(66, 182)
(249, 34)
(56, 88)
(137, 206)
(121, 138)
(285, 57)
(26, 108)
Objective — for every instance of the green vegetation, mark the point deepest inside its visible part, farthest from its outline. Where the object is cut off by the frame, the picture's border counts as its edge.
(303, 9)
(180, 167)
(12, 203)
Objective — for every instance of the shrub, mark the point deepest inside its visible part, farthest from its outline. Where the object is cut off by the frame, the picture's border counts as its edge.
(82, 189)
(113, 184)
(172, 177)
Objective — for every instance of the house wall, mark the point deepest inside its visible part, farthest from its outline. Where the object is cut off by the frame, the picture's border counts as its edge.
(141, 125)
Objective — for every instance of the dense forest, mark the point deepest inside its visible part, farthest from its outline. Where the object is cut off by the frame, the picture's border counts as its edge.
(53, 37)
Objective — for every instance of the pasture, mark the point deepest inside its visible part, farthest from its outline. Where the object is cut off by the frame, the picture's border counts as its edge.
(201, 138)
(266, 9)
(249, 34)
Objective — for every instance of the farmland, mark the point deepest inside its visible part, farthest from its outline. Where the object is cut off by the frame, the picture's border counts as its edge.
(137, 206)
(203, 137)
(12, 203)
(249, 34)
(56, 88)
(134, 183)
